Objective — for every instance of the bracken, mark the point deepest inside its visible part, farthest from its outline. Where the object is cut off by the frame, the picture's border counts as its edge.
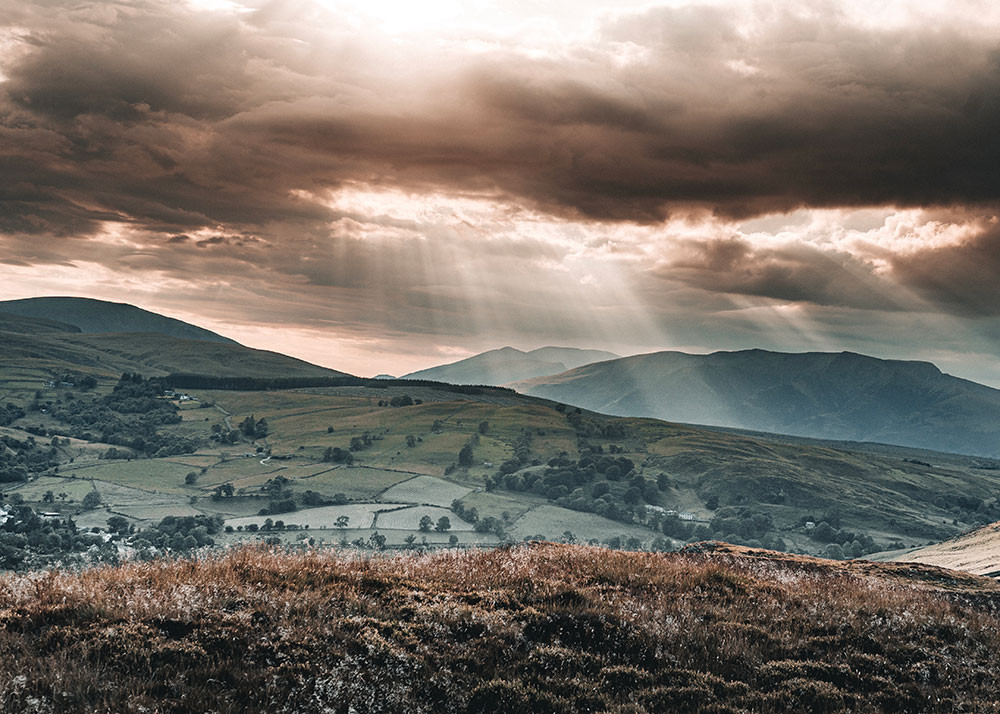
(539, 628)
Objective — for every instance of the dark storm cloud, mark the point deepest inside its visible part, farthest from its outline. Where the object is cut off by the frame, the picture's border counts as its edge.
(175, 120)
(962, 277)
(795, 272)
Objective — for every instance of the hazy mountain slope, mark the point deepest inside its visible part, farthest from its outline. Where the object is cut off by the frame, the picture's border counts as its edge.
(571, 356)
(149, 353)
(825, 395)
(95, 316)
(508, 364)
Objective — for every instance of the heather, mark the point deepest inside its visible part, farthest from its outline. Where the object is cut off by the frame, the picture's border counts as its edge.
(542, 628)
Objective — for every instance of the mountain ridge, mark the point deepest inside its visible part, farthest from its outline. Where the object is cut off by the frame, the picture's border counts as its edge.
(827, 395)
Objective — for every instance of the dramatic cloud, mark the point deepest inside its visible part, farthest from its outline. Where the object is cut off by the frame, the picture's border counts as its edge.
(689, 175)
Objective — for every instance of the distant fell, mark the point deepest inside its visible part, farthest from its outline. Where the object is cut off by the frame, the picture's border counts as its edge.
(99, 316)
(508, 364)
(840, 396)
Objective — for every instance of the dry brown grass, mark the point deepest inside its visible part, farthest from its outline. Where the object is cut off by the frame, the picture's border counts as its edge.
(547, 628)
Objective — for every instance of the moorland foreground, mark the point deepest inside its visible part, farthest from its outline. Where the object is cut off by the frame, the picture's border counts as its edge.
(530, 628)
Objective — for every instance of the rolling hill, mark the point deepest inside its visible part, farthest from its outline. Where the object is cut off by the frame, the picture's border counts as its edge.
(535, 467)
(46, 354)
(837, 396)
(98, 316)
(508, 364)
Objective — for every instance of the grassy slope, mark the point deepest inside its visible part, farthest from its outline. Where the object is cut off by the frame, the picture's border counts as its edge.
(521, 630)
(975, 552)
(880, 494)
(39, 357)
(100, 316)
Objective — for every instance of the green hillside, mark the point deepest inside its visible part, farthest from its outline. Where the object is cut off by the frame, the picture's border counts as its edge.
(45, 355)
(32, 325)
(97, 316)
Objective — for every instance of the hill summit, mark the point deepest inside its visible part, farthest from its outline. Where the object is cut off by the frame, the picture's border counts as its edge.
(509, 364)
(99, 316)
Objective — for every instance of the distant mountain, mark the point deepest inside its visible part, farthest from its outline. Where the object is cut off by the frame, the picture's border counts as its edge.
(842, 396)
(98, 316)
(510, 365)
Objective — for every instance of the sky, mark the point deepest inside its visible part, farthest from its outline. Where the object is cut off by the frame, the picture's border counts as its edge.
(382, 186)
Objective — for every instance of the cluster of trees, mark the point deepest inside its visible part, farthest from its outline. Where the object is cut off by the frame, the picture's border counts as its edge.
(130, 416)
(427, 523)
(313, 499)
(606, 485)
(178, 534)
(359, 443)
(9, 414)
(251, 384)
(403, 400)
(282, 500)
(469, 515)
(487, 524)
(20, 459)
(336, 455)
(221, 435)
(27, 540)
(849, 544)
(742, 526)
(521, 457)
(253, 429)
(78, 380)
(594, 428)
(969, 508)
(223, 490)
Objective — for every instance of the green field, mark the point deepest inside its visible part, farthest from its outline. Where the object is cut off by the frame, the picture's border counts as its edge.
(552, 522)
(360, 515)
(427, 490)
(408, 519)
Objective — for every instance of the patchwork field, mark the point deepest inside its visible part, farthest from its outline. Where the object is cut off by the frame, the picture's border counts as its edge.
(357, 483)
(409, 518)
(401, 455)
(426, 490)
(360, 515)
(552, 522)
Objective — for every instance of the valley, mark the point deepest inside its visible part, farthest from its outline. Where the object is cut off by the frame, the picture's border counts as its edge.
(341, 466)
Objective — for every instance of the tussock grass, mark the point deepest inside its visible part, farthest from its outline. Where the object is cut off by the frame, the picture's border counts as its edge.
(545, 628)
